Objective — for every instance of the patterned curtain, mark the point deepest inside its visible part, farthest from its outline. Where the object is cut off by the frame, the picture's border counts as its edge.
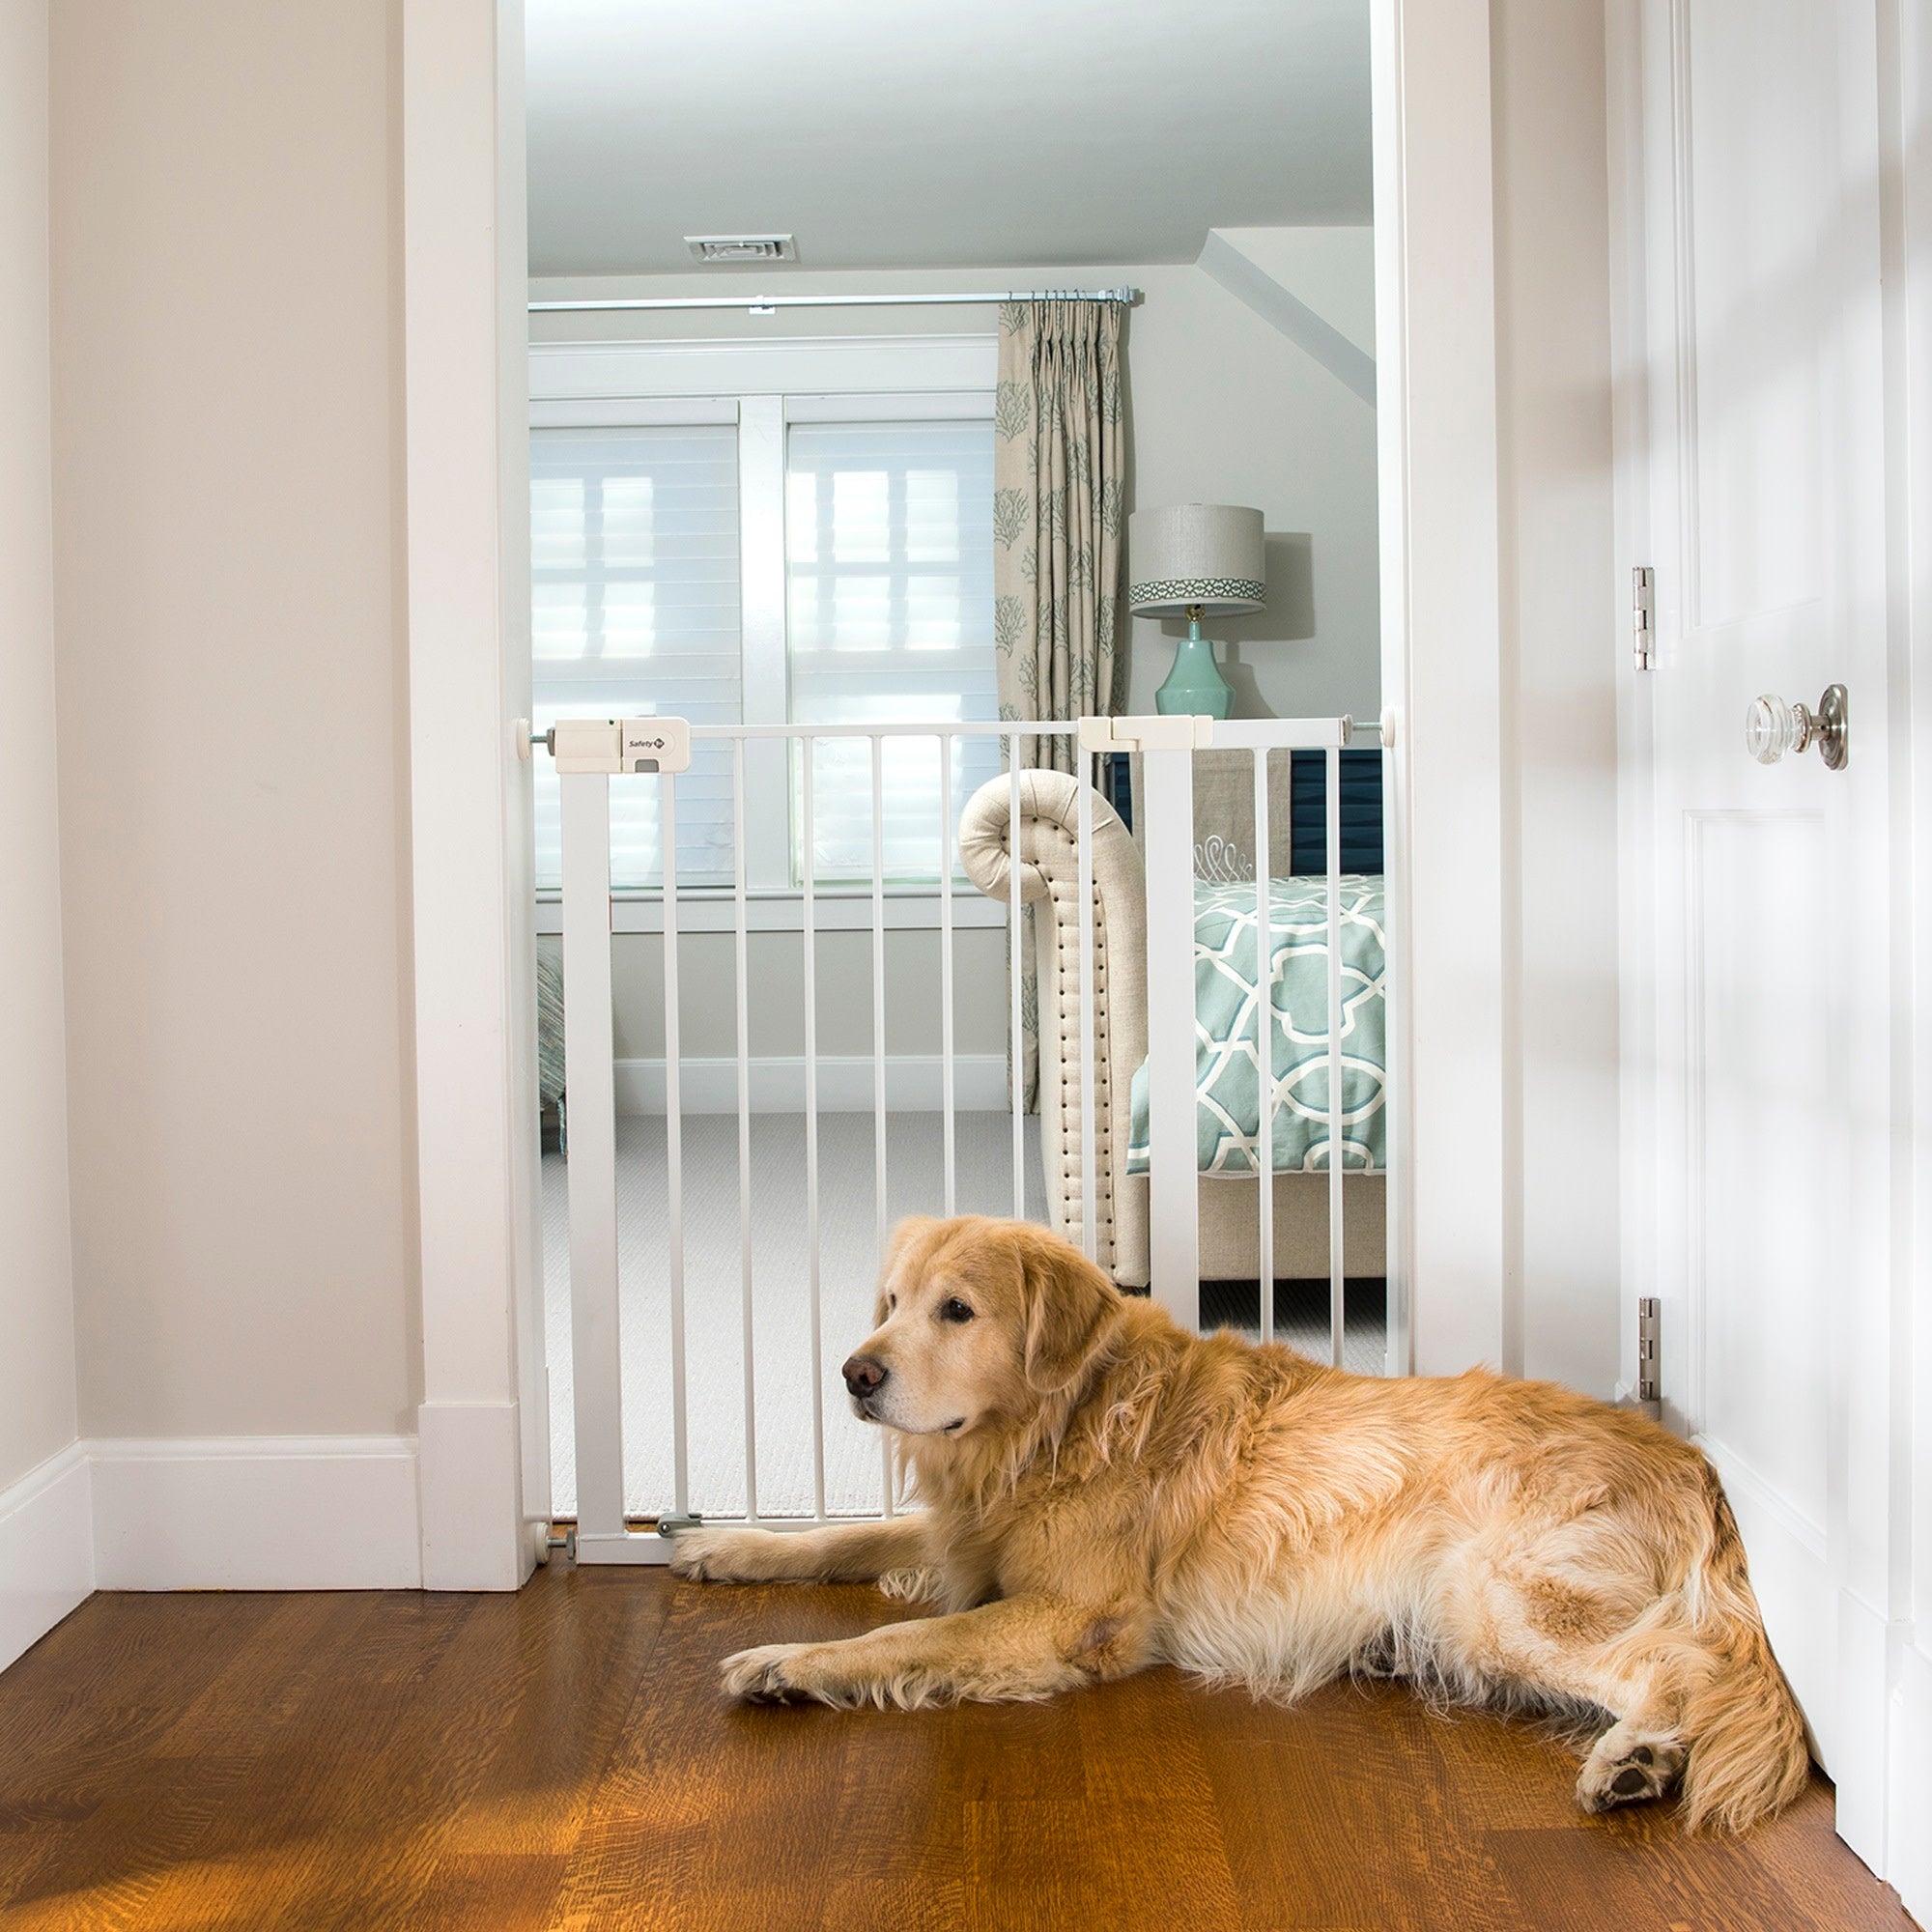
(1059, 457)
(1058, 461)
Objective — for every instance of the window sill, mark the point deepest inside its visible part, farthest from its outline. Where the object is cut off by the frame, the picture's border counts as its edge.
(835, 909)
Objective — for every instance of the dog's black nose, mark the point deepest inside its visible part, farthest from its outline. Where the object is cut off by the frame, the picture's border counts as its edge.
(863, 1376)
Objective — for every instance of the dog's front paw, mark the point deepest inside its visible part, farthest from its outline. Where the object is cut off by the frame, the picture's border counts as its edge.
(717, 1555)
(774, 1673)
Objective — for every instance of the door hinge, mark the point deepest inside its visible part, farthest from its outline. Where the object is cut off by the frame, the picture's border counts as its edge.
(671, 1521)
(1647, 1325)
(1643, 617)
(1644, 1396)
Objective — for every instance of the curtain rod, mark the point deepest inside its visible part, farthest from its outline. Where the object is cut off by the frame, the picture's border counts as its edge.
(767, 304)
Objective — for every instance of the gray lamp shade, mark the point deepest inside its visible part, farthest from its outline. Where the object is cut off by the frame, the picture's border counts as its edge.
(1204, 553)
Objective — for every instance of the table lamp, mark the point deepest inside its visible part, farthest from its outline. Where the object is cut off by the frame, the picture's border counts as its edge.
(1193, 560)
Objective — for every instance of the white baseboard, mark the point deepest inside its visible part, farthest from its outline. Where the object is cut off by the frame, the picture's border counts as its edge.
(912, 1084)
(46, 1548)
(1864, 1645)
(261, 1512)
(469, 1462)
(256, 1513)
(1909, 1865)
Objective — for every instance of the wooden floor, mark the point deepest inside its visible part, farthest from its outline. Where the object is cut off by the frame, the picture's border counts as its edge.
(560, 1758)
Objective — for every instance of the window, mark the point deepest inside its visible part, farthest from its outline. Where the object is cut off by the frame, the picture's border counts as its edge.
(634, 609)
(811, 558)
(889, 601)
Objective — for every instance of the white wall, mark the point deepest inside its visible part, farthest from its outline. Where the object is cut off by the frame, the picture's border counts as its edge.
(227, 541)
(1560, 638)
(1224, 409)
(37, 1376)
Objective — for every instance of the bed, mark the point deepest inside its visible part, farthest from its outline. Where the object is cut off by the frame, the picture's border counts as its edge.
(1227, 1085)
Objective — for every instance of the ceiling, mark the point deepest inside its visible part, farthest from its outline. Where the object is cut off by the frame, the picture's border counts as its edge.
(902, 133)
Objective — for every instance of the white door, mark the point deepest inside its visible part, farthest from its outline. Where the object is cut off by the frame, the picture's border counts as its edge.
(1755, 894)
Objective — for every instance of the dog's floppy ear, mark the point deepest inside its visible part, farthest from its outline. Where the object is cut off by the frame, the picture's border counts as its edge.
(1071, 1310)
(902, 1237)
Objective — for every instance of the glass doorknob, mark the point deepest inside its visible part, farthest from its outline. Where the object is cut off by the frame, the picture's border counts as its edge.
(1772, 728)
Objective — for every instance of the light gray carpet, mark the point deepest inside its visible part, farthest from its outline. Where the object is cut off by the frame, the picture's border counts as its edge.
(781, 1309)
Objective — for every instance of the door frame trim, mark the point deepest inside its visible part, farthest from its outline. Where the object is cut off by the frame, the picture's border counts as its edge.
(1454, 1299)
(482, 1425)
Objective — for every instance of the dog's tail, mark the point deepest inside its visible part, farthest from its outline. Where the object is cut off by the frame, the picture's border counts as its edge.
(1747, 1756)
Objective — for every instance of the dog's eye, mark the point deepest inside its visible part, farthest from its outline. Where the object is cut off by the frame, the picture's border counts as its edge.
(954, 1310)
(891, 1302)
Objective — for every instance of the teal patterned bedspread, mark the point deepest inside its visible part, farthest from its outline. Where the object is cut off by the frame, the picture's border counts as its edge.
(1226, 1112)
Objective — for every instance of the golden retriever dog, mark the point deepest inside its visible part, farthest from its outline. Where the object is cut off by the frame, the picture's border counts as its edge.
(1103, 1490)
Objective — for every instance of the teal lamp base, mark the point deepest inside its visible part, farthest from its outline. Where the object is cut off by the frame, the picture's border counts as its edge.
(1195, 685)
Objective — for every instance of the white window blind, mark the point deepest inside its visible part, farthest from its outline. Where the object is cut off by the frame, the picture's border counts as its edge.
(888, 541)
(635, 611)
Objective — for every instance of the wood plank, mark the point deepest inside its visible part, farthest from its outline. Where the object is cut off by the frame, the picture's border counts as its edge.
(146, 1665)
(1131, 1839)
(908, 1795)
(1332, 1815)
(708, 1810)
(505, 1853)
(1634, 1871)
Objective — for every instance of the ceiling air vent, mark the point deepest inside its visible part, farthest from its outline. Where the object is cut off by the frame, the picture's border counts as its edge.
(743, 248)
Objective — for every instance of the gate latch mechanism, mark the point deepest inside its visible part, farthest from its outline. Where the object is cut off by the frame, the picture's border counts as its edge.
(590, 745)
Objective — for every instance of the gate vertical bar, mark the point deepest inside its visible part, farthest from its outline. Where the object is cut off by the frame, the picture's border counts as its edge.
(808, 983)
(1336, 1313)
(596, 1364)
(675, 1147)
(879, 1057)
(741, 965)
(1398, 1346)
(879, 995)
(1089, 1233)
(1174, 1195)
(1016, 973)
(949, 1126)
(1264, 1039)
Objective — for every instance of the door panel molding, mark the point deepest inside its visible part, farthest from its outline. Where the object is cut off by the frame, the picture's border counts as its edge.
(1712, 858)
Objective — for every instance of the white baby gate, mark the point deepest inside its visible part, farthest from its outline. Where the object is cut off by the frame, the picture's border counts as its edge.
(652, 752)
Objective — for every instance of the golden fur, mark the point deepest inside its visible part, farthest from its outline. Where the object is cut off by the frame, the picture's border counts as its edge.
(1104, 1490)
